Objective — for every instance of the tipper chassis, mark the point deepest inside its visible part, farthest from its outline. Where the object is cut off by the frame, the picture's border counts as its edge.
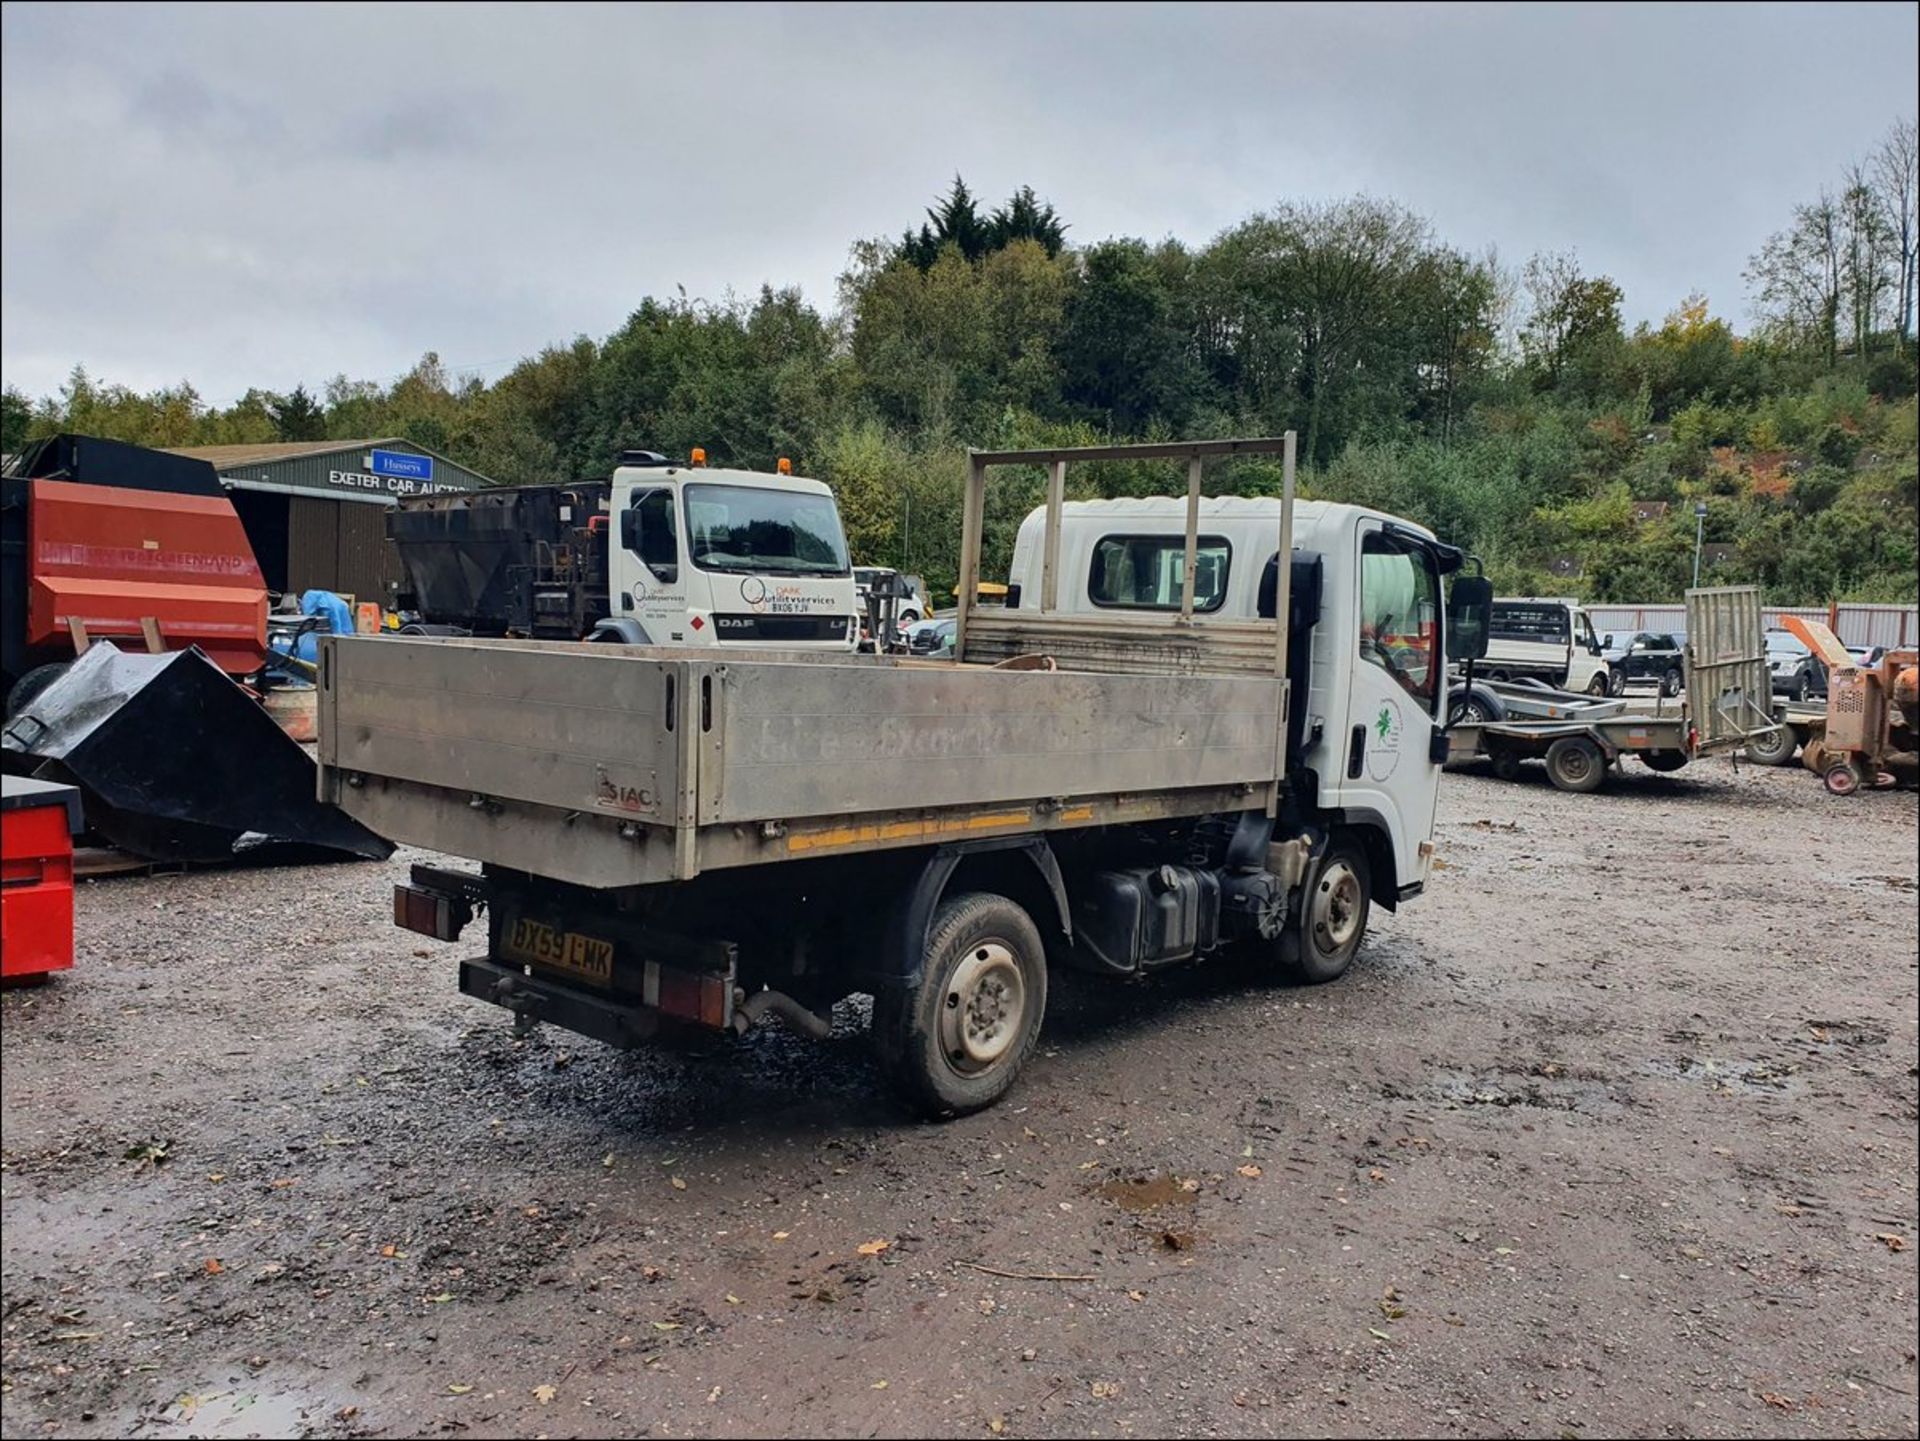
(678, 838)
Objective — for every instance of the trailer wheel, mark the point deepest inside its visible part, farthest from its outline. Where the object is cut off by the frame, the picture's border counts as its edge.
(1334, 907)
(1663, 761)
(955, 1042)
(1575, 763)
(1506, 764)
(1474, 706)
(1774, 747)
(27, 689)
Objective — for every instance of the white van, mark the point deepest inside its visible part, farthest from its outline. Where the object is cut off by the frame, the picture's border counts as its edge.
(1546, 638)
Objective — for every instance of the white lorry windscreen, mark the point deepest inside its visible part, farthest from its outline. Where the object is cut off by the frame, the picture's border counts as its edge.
(744, 528)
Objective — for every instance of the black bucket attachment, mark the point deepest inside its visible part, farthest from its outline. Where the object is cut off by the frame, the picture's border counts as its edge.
(176, 763)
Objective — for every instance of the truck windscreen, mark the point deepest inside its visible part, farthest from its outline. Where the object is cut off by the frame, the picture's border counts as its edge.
(748, 528)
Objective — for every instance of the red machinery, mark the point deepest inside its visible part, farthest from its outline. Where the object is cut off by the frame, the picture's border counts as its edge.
(37, 823)
(105, 541)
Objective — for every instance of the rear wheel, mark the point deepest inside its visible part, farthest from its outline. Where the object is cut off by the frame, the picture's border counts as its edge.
(955, 1042)
(1474, 706)
(1334, 909)
(1575, 763)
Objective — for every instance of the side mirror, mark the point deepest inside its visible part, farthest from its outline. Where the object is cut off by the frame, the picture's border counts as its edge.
(1469, 613)
(1607, 643)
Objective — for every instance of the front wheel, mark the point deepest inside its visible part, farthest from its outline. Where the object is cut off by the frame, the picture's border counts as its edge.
(1600, 685)
(1332, 918)
(1844, 778)
(1670, 683)
(1575, 763)
(1617, 684)
(1802, 688)
(955, 1042)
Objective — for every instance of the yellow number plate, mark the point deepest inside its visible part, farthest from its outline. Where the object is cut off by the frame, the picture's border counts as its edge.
(587, 957)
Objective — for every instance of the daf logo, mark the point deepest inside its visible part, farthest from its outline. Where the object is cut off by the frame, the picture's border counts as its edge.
(753, 590)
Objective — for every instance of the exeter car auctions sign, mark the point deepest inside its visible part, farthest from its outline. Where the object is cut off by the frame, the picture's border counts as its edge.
(390, 472)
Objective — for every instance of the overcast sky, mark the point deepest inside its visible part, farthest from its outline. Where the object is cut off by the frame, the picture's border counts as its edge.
(260, 196)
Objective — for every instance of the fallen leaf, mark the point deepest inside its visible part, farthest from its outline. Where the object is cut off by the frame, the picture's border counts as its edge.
(878, 1386)
(346, 1413)
(1136, 1295)
(1892, 1242)
(1503, 1250)
(441, 1299)
(666, 1325)
(1376, 1174)
(1251, 1172)
(607, 1160)
(544, 1394)
(154, 1151)
(1391, 1311)
(1102, 1390)
(459, 1390)
(77, 1335)
(1190, 1184)
(393, 1253)
(713, 1395)
(214, 1268)
(1785, 1403)
(678, 1184)
(216, 1176)
(873, 1248)
(996, 1424)
(1246, 1150)
(732, 1300)
(282, 1183)
(781, 1235)
(1376, 1331)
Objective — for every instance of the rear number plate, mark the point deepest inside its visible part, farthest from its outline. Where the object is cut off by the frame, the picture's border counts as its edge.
(587, 957)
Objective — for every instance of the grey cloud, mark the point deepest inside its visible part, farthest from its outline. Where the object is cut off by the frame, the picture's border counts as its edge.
(271, 194)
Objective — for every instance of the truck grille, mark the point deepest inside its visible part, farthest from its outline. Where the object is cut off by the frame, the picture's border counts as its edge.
(780, 627)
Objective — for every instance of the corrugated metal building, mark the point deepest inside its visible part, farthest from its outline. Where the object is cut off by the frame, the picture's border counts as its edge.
(316, 510)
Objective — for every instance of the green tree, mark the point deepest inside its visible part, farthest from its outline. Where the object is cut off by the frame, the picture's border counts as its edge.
(297, 416)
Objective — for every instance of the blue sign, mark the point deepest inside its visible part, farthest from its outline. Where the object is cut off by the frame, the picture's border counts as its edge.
(398, 462)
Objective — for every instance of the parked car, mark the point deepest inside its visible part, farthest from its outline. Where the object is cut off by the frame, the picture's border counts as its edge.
(1647, 658)
(1797, 671)
(931, 637)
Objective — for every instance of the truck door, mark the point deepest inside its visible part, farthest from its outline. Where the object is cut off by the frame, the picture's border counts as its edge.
(653, 578)
(1394, 701)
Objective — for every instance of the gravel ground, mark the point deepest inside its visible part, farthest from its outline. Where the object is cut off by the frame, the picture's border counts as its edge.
(1611, 1133)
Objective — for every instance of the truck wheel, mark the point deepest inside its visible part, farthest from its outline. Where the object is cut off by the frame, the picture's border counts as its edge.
(1670, 683)
(1334, 907)
(1663, 761)
(1774, 748)
(1575, 763)
(27, 689)
(955, 1042)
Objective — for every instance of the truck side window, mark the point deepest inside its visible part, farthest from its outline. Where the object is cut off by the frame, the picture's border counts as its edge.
(1144, 572)
(1400, 613)
(659, 541)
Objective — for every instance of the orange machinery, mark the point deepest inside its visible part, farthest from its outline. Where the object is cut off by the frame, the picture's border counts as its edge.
(1873, 714)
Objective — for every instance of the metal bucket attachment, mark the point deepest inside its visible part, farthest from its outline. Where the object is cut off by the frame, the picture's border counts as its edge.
(175, 762)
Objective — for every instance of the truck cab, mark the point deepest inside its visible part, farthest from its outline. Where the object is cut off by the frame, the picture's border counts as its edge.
(702, 557)
(1367, 617)
(1550, 639)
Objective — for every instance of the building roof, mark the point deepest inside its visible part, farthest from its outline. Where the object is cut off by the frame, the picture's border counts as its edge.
(226, 457)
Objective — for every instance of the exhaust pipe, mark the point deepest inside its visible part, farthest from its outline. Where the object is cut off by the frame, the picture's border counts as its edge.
(756, 1006)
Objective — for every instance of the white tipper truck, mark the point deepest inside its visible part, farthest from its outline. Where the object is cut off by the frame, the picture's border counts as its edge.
(1115, 774)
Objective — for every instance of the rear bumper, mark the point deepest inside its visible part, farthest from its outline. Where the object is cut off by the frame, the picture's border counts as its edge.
(539, 998)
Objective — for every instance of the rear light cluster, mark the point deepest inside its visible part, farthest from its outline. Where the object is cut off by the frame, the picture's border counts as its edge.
(687, 994)
(429, 913)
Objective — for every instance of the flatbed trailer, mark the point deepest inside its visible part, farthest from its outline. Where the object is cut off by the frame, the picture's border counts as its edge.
(1580, 738)
(671, 837)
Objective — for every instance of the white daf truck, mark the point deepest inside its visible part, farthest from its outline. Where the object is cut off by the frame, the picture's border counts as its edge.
(665, 552)
(1195, 725)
